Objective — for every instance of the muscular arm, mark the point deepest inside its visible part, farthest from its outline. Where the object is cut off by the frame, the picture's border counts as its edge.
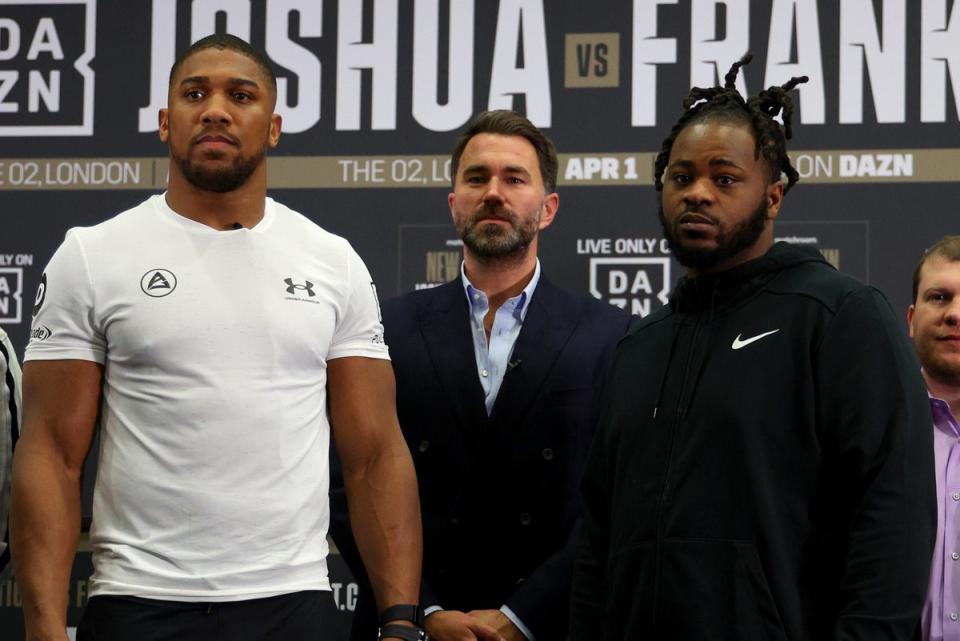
(378, 476)
(60, 404)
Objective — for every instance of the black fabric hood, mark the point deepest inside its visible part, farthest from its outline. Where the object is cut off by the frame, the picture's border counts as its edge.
(719, 291)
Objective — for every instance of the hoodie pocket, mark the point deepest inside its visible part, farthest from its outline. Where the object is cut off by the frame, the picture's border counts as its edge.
(703, 590)
(715, 590)
(628, 595)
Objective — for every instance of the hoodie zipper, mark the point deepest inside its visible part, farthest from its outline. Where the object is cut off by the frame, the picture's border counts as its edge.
(664, 487)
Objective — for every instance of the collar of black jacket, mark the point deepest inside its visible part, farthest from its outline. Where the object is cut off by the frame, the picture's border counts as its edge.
(716, 292)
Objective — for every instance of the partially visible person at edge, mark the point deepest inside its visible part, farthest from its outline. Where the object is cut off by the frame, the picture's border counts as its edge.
(763, 466)
(498, 376)
(934, 322)
(9, 433)
(183, 322)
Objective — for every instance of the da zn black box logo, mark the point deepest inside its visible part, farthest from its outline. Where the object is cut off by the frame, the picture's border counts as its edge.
(11, 294)
(46, 83)
(638, 285)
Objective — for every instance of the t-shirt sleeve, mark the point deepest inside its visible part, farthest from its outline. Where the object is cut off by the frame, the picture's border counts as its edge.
(359, 330)
(64, 324)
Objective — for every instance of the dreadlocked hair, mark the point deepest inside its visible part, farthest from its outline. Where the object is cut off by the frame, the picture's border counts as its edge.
(726, 104)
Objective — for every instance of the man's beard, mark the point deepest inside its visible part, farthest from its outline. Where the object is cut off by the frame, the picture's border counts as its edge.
(936, 366)
(490, 240)
(222, 179)
(729, 242)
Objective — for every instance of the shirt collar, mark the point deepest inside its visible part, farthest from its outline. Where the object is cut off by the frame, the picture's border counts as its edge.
(476, 297)
(943, 418)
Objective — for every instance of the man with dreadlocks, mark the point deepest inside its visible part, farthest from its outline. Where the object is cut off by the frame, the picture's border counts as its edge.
(763, 467)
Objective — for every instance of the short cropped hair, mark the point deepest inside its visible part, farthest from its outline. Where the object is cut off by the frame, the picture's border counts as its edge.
(947, 247)
(226, 41)
(508, 123)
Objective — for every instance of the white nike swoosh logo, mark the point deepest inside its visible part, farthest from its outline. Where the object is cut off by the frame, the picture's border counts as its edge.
(738, 343)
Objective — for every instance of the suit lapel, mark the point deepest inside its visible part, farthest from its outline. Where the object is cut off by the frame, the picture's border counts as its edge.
(547, 327)
(445, 325)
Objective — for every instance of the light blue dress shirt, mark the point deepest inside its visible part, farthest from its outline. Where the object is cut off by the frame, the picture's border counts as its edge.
(494, 354)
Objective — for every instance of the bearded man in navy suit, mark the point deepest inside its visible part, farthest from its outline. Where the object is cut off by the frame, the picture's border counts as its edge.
(498, 374)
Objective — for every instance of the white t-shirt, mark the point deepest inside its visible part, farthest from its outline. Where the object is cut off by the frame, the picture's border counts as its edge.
(213, 474)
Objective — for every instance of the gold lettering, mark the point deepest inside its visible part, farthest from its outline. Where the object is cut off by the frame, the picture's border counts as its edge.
(832, 256)
(442, 266)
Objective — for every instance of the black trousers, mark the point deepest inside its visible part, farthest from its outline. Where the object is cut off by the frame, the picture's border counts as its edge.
(300, 616)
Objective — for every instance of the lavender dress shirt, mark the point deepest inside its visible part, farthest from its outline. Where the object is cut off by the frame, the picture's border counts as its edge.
(941, 612)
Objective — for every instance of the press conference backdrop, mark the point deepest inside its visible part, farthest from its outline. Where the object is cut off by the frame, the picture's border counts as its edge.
(372, 93)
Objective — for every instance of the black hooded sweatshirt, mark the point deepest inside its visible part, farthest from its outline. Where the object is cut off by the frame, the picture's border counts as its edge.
(763, 467)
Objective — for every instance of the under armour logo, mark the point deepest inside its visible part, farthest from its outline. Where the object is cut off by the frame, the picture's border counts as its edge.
(292, 287)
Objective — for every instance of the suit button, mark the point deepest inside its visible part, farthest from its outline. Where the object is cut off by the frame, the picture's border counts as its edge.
(547, 454)
(442, 576)
(424, 444)
(525, 519)
(454, 520)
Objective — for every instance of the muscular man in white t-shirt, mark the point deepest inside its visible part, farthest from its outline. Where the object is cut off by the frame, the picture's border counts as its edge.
(213, 331)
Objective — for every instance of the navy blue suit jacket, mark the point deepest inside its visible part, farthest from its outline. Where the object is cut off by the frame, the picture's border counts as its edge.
(500, 494)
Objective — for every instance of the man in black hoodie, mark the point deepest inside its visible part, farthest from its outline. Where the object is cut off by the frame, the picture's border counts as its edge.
(763, 467)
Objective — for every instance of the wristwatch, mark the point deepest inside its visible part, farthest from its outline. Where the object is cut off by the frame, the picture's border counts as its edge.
(402, 612)
(404, 632)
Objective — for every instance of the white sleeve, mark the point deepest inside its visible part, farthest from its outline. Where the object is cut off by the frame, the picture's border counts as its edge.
(64, 324)
(359, 330)
(10, 414)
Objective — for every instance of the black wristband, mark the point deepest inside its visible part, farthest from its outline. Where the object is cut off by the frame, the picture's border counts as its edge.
(402, 612)
(404, 632)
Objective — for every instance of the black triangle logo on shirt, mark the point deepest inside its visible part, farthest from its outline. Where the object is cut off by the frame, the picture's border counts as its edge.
(157, 281)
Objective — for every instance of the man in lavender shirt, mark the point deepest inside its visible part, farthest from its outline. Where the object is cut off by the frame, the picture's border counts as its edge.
(934, 319)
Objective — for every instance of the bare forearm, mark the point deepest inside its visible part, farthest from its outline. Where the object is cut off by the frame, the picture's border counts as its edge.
(385, 517)
(378, 476)
(44, 527)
